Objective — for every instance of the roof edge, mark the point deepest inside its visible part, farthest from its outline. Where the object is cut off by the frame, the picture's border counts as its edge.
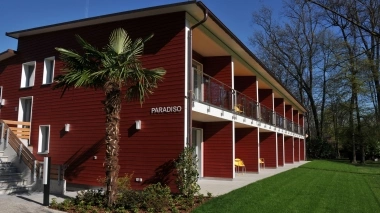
(16, 34)
(7, 54)
(245, 48)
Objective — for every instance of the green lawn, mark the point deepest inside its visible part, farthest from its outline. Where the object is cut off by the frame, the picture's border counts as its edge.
(318, 186)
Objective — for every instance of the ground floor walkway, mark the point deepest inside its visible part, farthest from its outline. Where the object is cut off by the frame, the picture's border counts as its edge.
(219, 186)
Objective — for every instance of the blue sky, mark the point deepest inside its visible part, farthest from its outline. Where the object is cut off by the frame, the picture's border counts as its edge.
(24, 14)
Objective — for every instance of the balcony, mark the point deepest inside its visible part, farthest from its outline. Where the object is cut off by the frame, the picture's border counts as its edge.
(217, 94)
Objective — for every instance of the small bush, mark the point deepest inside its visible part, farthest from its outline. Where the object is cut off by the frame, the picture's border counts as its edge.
(157, 198)
(90, 197)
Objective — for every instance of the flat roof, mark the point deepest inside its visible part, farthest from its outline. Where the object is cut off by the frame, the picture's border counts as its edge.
(192, 7)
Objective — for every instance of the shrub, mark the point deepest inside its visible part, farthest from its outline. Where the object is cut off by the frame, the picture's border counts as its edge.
(157, 198)
(187, 175)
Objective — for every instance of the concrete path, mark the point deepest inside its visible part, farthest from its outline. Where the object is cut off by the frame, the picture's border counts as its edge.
(32, 202)
(218, 187)
(28, 203)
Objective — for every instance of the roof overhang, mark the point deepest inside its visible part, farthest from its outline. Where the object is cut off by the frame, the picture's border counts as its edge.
(195, 9)
(7, 54)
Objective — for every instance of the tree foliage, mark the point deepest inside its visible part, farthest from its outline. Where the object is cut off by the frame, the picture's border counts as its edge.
(118, 71)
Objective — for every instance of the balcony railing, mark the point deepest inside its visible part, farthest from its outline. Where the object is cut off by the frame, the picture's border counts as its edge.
(209, 90)
(245, 105)
(280, 121)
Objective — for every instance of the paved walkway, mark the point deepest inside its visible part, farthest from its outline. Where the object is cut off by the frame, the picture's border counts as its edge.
(28, 203)
(32, 202)
(219, 187)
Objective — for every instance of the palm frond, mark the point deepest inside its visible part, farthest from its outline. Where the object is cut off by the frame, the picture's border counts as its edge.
(119, 41)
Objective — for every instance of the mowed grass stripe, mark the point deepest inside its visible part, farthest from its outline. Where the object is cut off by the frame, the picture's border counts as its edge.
(304, 190)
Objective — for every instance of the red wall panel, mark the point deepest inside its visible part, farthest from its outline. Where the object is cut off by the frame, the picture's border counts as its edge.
(280, 150)
(289, 151)
(301, 120)
(288, 112)
(268, 148)
(302, 149)
(219, 67)
(296, 149)
(279, 106)
(149, 152)
(246, 147)
(246, 85)
(218, 156)
(295, 116)
(265, 98)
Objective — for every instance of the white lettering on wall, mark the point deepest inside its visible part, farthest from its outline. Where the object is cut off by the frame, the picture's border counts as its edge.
(168, 109)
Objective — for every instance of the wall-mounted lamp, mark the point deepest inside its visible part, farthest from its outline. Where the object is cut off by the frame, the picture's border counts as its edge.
(306, 136)
(138, 124)
(67, 127)
(2, 102)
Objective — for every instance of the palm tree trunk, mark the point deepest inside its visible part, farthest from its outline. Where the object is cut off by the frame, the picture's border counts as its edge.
(112, 108)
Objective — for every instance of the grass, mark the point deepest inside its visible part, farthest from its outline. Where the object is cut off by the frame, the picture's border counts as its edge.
(318, 186)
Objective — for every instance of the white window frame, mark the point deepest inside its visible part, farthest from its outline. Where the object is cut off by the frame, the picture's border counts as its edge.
(40, 137)
(45, 79)
(23, 75)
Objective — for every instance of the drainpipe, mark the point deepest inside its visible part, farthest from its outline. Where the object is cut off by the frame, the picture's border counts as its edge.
(190, 78)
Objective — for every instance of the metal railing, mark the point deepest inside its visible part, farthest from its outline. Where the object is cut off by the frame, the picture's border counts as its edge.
(280, 121)
(245, 105)
(266, 115)
(214, 92)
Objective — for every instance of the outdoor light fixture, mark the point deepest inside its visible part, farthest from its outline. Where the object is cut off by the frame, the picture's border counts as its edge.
(138, 124)
(67, 127)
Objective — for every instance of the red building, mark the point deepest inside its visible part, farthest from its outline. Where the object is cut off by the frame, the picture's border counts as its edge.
(239, 110)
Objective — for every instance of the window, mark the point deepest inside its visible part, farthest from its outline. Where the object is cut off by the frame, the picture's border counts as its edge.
(44, 139)
(27, 75)
(48, 70)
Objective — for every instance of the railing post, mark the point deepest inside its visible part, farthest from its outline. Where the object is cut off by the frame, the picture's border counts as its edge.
(20, 151)
(1, 133)
(34, 171)
(259, 117)
(7, 138)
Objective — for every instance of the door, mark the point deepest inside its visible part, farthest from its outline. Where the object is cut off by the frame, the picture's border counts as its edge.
(197, 142)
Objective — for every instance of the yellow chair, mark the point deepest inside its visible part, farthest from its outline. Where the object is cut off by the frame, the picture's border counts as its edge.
(262, 162)
(240, 164)
(238, 108)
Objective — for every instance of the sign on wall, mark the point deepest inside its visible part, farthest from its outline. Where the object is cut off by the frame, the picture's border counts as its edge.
(164, 110)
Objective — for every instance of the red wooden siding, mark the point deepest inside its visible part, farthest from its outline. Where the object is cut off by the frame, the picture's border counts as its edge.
(219, 67)
(288, 112)
(296, 149)
(279, 106)
(280, 150)
(218, 158)
(289, 151)
(149, 152)
(295, 116)
(301, 120)
(246, 147)
(268, 148)
(265, 98)
(246, 85)
(302, 149)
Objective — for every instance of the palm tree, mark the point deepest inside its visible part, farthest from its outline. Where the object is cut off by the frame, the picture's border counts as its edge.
(116, 69)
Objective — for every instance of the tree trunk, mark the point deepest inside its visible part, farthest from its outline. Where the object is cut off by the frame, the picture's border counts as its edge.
(112, 108)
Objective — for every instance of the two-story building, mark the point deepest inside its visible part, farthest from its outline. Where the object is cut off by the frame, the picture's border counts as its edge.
(215, 87)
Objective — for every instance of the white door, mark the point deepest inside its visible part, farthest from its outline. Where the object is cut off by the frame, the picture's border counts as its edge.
(197, 142)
